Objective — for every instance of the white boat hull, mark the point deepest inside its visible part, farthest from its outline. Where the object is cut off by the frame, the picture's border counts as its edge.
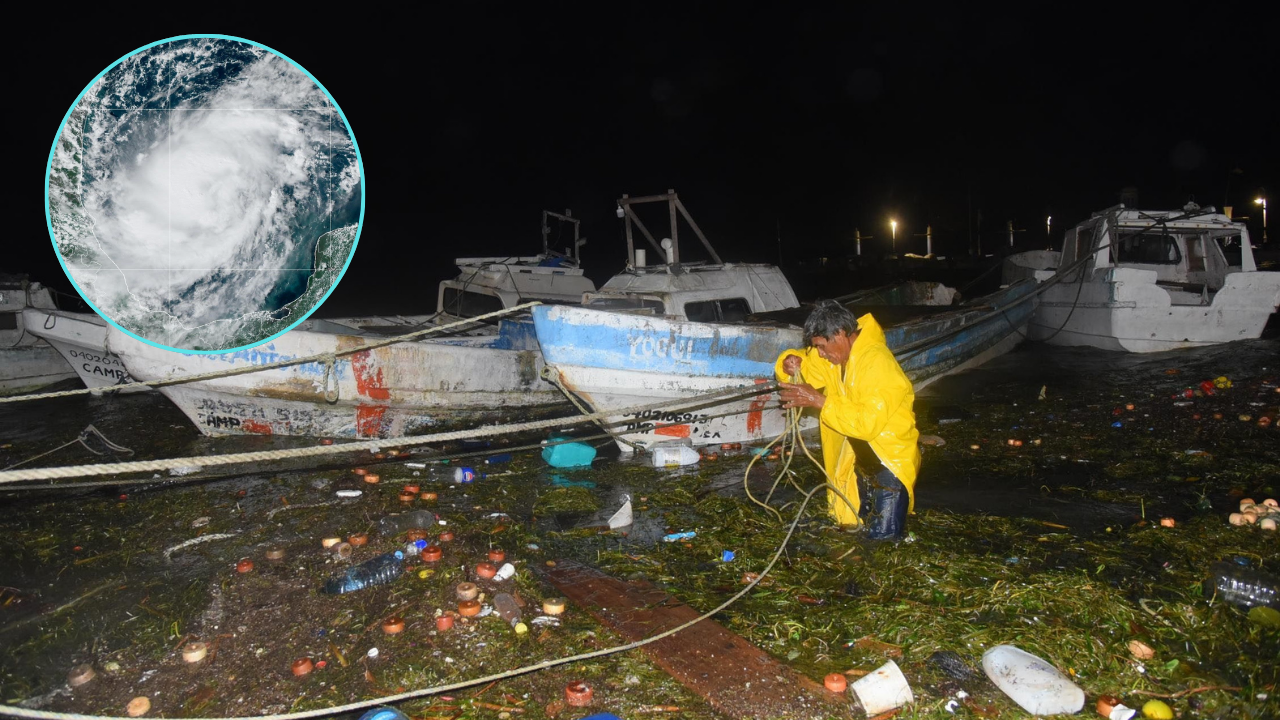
(81, 338)
(1127, 311)
(402, 389)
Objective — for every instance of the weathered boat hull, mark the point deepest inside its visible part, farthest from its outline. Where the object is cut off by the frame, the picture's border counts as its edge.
(402, 389)
(81, 338)
(27, 363)
(1127, 311)
(614, 361)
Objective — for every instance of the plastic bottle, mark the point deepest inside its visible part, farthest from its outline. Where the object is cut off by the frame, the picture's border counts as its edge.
(466, 475)
(393, 525)
(378, 571)
(508, 609)
(1242, 586)
(498, 459)
(673, 455)
(1033, 683)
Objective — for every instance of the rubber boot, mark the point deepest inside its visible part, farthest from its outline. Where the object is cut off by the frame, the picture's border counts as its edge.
(887, 503)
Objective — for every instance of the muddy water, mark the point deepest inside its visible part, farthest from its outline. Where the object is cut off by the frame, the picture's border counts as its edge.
(91, 581)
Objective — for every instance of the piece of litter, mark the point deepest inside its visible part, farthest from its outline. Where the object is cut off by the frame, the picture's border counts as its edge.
(486, 611)
(545, 620)
(673, 537)
(185, 470)
(416, 465)
(349, 493)
(953, 704)
(624, 516)
(373, 652)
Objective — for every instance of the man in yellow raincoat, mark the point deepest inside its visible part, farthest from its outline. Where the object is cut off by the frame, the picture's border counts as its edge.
(864, 402)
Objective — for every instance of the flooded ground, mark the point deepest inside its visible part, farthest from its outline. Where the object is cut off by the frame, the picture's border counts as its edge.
(1052, 543)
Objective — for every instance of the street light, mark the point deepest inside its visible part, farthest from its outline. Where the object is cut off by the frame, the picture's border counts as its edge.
(893, 226)
(1263, 202)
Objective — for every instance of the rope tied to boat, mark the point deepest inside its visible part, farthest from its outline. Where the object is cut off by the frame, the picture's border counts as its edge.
(378, 444)
(319, 357)
(329, 372)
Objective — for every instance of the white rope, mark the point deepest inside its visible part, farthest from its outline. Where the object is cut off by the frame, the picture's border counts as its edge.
(374, 445)
(392, 699)
(327, 358)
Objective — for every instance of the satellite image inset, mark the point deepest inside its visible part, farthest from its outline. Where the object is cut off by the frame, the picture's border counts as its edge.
(204, 194)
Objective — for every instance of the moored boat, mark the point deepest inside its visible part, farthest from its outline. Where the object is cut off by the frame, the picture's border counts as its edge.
(614, 360)
(1148, 281)
(27, 362)
(652, 334)
(390, 391)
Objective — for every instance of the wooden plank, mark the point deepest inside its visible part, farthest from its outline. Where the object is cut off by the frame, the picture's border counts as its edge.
(737, 678)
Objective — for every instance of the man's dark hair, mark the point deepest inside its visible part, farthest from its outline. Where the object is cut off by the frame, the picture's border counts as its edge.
(827, 318)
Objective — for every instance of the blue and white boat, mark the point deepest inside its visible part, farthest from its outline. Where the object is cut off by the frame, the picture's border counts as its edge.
(617, 360)
(677, 332)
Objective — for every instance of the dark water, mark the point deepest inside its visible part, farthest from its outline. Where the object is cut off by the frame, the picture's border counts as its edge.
(1085, 476)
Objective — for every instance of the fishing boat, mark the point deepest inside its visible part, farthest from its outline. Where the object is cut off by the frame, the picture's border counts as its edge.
(647, 345)
(1147, 281)
(483, 285)
(26, 362)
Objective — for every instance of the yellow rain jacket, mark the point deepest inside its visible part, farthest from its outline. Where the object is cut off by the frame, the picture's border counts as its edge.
(870, 400)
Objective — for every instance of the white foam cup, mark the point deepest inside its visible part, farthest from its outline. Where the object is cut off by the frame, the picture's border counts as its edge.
(883, 689)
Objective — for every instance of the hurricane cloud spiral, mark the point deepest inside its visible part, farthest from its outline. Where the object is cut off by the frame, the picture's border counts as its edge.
(204, 194)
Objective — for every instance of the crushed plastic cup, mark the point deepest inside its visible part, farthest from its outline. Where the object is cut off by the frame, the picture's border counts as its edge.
(882, 690)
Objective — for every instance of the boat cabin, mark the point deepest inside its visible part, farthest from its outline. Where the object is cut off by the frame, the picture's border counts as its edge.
(724, 293)
(490, 284)
(699, 291)
(1190, 252)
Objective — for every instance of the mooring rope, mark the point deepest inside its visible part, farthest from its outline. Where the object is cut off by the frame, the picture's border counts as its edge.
(327, 358)
(543, 665)
(374, 445)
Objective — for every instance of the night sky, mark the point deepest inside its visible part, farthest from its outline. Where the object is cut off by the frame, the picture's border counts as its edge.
(802, 125)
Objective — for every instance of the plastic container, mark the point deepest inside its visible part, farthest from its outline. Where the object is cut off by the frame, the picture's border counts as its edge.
(393, 525)
(466, 475)
(674, 455)
(508, 609)
(567, 454)
(1242, 586)
(378, 571)
(1032, 682)
(498, 459)
(884, 689)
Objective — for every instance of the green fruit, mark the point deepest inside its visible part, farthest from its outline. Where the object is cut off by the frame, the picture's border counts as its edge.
(1265, 616)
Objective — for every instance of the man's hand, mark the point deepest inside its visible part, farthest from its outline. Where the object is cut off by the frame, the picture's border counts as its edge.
(791, 365)
(801, 395)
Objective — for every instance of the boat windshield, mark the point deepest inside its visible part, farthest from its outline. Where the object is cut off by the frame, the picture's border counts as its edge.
(1148, 249)
(627, 302)
(466, 303)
